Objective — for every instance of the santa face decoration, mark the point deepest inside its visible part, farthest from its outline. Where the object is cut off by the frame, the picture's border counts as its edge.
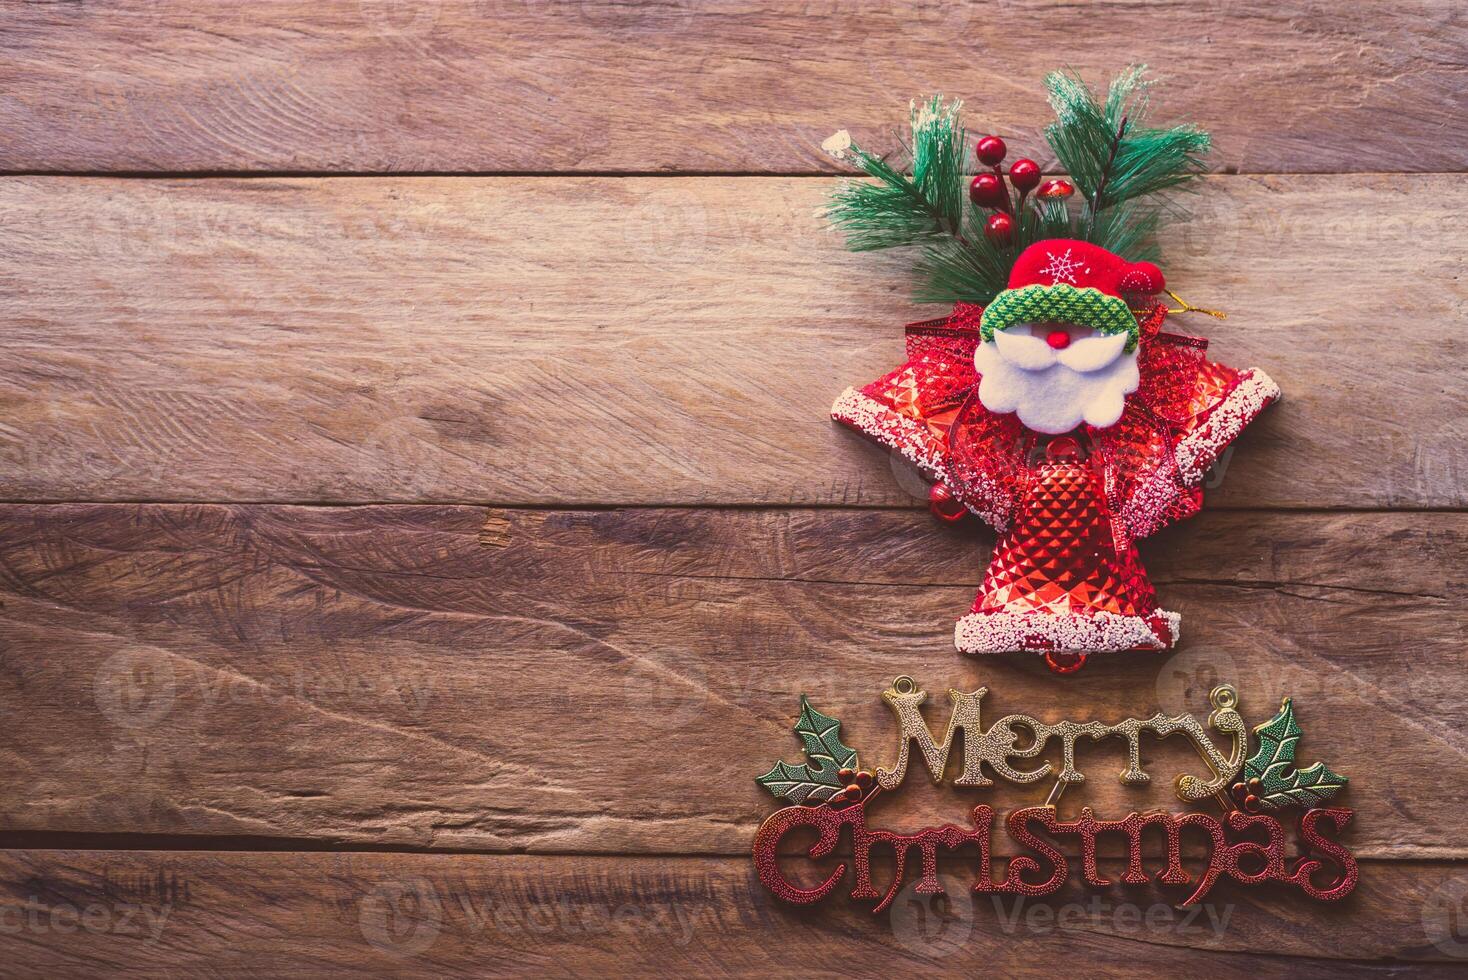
(1060, 345)
(1062, 415)
(1055, 376)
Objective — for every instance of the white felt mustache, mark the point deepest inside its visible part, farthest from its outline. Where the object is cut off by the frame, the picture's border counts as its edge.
(1034, 354)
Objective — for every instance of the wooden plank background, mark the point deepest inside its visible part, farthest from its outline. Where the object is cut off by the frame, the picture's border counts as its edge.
(418, 513)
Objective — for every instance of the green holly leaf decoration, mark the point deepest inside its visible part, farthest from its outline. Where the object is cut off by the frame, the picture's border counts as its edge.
(1273, 764)
(816, 781)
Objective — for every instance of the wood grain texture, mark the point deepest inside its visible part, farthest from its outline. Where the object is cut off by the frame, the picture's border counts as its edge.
(612, 681)
(599, 85)
(177, 913)
(596, 341)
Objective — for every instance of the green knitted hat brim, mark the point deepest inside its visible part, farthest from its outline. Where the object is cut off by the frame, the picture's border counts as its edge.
(1062, 303)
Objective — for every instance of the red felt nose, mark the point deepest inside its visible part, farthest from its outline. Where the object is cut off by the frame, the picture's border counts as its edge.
(1058, 339)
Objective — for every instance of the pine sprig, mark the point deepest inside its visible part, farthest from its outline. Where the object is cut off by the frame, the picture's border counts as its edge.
(1108, 153)
(902, 208)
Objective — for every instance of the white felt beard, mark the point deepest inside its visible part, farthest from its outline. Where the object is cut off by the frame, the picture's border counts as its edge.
(1053, 391)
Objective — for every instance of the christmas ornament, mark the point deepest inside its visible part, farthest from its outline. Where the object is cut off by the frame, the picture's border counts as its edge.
(1247, 847)
(1050, 402)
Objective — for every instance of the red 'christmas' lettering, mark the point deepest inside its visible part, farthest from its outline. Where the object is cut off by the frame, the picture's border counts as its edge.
(1249, 861)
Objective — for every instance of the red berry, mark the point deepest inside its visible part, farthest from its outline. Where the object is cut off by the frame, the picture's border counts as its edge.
(987, 191)
(1251, 803)
(944, 505)
(1055, 189)
(845, 774)
(1059, 339)
(852, 792)
(990, 150)
(1024, 174)
(999, 229)
(863, 779)
(1254, 785)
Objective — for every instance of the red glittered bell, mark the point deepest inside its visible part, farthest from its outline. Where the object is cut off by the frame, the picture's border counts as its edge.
(944, 505)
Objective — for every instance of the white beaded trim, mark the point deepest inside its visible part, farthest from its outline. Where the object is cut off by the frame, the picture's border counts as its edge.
(888, 428)
(1198, 451)
(1146, 511)
(1100, 632)
(905, 436)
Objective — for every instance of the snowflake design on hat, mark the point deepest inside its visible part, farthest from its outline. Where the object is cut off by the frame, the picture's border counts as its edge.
(1062, 268)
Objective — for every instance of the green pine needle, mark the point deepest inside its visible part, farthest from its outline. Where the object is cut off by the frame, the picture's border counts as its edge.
(1109, 171)
(1111, 156)
(907, 208)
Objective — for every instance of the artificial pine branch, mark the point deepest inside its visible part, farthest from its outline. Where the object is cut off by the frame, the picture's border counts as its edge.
(964, 268)
(1097, 205)
(1109, 156)
(904, 209)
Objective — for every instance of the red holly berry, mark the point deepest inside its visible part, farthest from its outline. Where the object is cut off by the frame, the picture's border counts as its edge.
(852, 792)
(845, 774)
(987, 191)
(864, 779)
(1055, 189)
(1024, 174)
(944, 505)
(999, 229)
(990, 150)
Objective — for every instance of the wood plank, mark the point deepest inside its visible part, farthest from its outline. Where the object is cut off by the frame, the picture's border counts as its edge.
(174, 913)
(594, 341)
(612, 681)
(598, 85)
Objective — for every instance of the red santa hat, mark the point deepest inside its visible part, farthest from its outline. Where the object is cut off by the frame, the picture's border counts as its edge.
(1063, 280)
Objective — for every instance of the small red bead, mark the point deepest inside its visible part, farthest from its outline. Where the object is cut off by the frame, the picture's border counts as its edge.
(944, 505)
(863, 779)
(987, 191)
(999, 229)
(845, 774)
(1059, 339)
(1065, 661)
(1024, 174)
(1063, 448)
(991, 150)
